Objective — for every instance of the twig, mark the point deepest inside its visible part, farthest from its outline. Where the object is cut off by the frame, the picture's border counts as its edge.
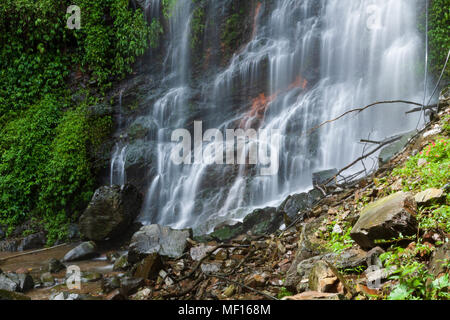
(241, 285)
(31, 252)
(434, 106)
(362, 109)
(184, 292)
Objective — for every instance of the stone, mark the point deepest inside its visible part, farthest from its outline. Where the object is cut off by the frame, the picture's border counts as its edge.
(311, 295)
(7, 284)
(9, 295)
(158, 239)
(211, 267)
(430, 196)
(294, 204)
(110, 284)
(2, 233)
(256, 281)
(73, 232)
(388, 152)
(197, 253)
(322, 278)
(33, 241)
(55, 266)
(16, 282)
(115, 295)
(143, 294)
(84, 251)
(130, 285)
(386, 219)
(263, 221)
(110, 212)
(47, 279)
(121, 264)
(9, 245)
(321, 177)
(432, 132)
(149, 267)
(439, 258)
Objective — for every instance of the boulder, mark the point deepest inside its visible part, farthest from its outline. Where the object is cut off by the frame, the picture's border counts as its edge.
(110, 284)
(55, 266)
(84, 251)
(16, 282)
(294, 204)
(263, 221)
(386, 219)
(430, 196)
(322, 278)
(110, 212)
(9, 245)
(158, 239)
(33, 241)
(149, 267)
(321, 177)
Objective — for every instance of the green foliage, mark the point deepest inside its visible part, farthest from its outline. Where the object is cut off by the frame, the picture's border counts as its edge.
(439, 39)
(433, 174)
(168, 7)
(198, 26)
(284, 293)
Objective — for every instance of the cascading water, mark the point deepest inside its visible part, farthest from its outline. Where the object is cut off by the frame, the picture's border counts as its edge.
(307, 61)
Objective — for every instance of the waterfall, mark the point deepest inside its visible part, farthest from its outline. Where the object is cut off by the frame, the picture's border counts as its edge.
(307, 61)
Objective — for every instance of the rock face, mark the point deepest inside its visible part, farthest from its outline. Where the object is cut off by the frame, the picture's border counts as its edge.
(111, 210)
(429, 196)
(386, 219)
(86, 250)
(158, 239)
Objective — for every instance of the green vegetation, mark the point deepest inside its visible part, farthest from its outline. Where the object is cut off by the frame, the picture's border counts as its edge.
(439, 39)
(48, 141)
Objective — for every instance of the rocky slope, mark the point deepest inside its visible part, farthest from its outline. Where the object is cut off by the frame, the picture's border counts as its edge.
(383, 236)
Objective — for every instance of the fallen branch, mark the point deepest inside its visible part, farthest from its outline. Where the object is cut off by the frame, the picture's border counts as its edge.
(241, 285)
(362, 109)
(184, 292)
(31, 252)
(361, 158)
(434, 106)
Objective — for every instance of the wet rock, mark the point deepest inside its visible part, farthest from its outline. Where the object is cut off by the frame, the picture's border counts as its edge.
(9, 295)
(65, 296)
(294, 204)
(386, 219)
(263, 221)
(84, 251)
(47, 279)
(158, 239)
(321, 177)
(9, 245)
(55, 266)
(111, 210)
(149, 267)
(33, 241)
(121, 264)
(322, 278)
(388, 152)
(430, 196)
(7, 284)
(2, 233)
(16, 282)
